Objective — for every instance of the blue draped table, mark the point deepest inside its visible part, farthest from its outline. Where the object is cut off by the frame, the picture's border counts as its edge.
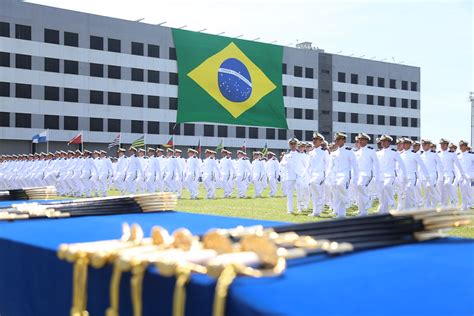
(430, 278)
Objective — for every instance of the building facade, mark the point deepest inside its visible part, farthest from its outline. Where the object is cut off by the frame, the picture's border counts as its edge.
(69, 71)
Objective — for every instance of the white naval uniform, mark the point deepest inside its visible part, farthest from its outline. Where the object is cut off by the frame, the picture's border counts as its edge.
(88, 176)
(317, 167)
(389, 163)
(448, 191)
(435, 169)
(258, 173)
(413, 163)
(343, 169)
(243, 170)
(294, 164)
(192, 173)
(152, 174)
(227, 175)
(134, 172)
(210, 174)
(272, 168)
(120, 174)
(466, 160)
(369, 171)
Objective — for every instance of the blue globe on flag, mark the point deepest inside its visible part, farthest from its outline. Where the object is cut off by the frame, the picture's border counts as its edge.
(234, 80)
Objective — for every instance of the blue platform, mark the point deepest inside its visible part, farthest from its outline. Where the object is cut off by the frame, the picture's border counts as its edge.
(431, 278)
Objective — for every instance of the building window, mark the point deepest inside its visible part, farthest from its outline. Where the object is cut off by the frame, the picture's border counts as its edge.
(114, 98)
(51, 93)
(405, 103)
(51, 36)
(341, 96)
(71, 67)
(23, 120)
(393, 102)
(281, 134)
(370, 80)
(354, 118)
(96, 124)
(309, 73)
(51, 121)
(309, 93)
(137, 127)
(172, 53)
(208, 130)
(414, 86)
(114, 72)
(393, 121)
(4, 29)
(222, 131)
(393, 84)
(4, 119)
(71, 39)
(96, 70)
(114, 45)
(153, 127)
(175, 129)
(137, 74)
(23, 32)
(51, 64)
(309, 114)
(153, 51)
(153, 102)
(405, 121)
(370, 119)
(283, 68)
(71, 95)
(381, 100)
(298, 71)
(153, 76)
(298, 134)
(71, 123)
(96, 42)
(173, 103)
(4, 59)
(240, 132)
(414, 104)
(270, 133)
(354, 98)
(341, 77)
(381, 82)
(414, 122)
(284, 91)
(23, 91)
(404, 85)
(308, 135)
(189, 129)
(4, 89)
(137, 48)
(381, 120)
(173, 77)
(297, 92)
(341, 116)
(298, 113)
(23, 61)
(137, 100)
(113, 125)
(96, 97)
(354, 79)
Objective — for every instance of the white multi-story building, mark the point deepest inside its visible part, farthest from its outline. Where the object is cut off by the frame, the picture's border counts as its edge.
(69, 71)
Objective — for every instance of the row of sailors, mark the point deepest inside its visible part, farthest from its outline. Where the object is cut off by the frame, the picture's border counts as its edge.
(326, 174)
(340, 176)
(77, 173)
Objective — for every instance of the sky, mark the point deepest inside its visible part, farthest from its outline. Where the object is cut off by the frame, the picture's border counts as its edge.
(436, 36)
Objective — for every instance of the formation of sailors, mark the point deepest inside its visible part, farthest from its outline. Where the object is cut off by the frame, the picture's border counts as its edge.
(321, 174)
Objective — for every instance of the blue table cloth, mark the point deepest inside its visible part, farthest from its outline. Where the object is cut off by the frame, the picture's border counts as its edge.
(430, 278)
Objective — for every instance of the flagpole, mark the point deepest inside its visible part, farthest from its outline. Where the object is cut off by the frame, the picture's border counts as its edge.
(144, 141)
(82, 140)
(47, 140)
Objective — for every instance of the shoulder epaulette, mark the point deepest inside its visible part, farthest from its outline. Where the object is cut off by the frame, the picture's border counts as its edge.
(394, 149)
(459, 153)
(413, 151)
(370, 147)
(439, 151)
(433, 151)
(451, 151)
(348, 148)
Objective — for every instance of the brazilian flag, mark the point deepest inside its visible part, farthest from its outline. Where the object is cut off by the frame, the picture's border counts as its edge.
(230, 81)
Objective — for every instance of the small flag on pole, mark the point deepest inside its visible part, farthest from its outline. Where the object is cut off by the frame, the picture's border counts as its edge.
(40, 138)
(115, 142)
(140, 142)
(220, 146)
(76, 139)
(170, 143)
(265, 149)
